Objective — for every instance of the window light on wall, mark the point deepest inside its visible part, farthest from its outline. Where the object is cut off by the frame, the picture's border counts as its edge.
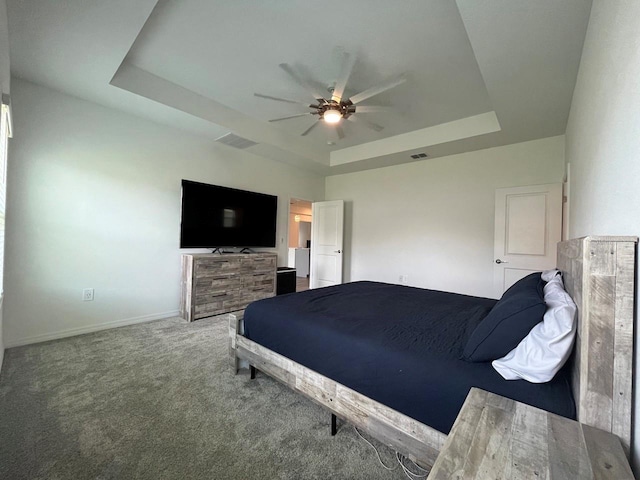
(5, 133)
(6, 114)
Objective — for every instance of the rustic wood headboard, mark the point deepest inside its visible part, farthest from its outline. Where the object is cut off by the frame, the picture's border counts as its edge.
(599, 274)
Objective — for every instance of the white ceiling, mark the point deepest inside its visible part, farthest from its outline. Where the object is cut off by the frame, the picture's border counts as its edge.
(480, 73)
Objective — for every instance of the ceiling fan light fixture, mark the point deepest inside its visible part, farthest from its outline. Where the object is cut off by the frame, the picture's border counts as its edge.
(331, 109)
(332, 116)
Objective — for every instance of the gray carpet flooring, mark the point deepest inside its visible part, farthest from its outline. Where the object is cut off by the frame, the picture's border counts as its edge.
(157, 401)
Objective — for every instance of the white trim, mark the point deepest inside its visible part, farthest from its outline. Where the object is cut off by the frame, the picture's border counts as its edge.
(71, 332)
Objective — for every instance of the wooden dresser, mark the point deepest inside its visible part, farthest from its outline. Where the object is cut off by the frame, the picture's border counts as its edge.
(213, 284)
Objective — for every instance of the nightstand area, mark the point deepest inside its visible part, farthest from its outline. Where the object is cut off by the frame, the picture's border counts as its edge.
(285, 280)
(498, 438)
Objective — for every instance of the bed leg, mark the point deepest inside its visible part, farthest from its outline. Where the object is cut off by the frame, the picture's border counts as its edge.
(334, 425)
(252, 369)
(234, 328)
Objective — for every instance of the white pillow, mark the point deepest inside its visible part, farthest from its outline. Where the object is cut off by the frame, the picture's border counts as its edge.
(549, 274)
(546, 348)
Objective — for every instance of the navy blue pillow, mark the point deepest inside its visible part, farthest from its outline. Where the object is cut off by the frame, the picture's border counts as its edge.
(509, 321)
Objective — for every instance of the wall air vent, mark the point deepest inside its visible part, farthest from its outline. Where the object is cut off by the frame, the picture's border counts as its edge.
(233, 140)
(419, 155)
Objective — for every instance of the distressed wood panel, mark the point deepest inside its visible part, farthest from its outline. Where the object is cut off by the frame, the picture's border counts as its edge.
(504, 439)
(258, 265)
(186, 289)
(215, 284)
(459, 449)
(208, 284)
(599, 388)
(623, 342)
(567, 452)
(214, 295)
(487, 455)
(599, 274)
(570, 263)
(527, 456)
(606, 457)
(235, 321)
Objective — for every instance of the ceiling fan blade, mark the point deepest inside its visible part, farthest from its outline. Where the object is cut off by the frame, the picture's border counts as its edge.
(348, 61)
(301, 81)
(290, 116)
(372, 109)
(335, 133)
(315, 124)
(378, 89)
(278, 99)
(366, 123)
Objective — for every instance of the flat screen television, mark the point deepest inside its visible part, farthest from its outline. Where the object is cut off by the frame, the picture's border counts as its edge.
(215, 216)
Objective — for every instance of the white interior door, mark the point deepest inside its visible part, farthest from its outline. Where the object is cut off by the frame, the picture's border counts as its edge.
(528, 226)
(327, 227)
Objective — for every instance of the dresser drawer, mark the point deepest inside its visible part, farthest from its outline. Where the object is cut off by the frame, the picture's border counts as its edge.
(265, 280)
(206, 267)
(255, 264)
(217, 284)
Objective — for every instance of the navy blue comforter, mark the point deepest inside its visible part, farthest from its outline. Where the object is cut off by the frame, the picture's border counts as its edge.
(400, 346)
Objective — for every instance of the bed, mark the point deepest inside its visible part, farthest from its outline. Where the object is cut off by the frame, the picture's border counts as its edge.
(424, 380)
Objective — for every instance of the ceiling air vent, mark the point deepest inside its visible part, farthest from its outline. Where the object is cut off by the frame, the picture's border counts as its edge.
(415, 156)
(235, 141)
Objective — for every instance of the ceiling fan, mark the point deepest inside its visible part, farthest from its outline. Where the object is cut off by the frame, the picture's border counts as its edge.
(332, 108)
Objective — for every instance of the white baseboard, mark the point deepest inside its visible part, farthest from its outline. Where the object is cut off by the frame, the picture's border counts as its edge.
(71, 332)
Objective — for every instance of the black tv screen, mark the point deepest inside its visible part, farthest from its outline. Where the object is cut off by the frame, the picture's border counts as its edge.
(214, 216)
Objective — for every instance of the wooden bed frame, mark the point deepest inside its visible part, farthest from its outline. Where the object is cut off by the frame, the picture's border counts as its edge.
(599, 274)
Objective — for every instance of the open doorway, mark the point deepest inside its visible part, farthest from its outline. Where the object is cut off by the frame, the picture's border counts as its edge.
(300, 241)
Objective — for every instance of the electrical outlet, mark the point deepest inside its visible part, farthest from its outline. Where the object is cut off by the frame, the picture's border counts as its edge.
(404, 279)
(87, 294)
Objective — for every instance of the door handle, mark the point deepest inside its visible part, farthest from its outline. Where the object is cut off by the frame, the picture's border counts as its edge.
(498, 261)
(337, 251)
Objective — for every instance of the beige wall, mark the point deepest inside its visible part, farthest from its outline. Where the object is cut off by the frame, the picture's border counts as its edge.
(433, 220)
(94, 202)
(603, 136)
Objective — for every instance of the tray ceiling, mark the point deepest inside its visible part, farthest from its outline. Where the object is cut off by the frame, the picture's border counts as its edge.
(479, 73)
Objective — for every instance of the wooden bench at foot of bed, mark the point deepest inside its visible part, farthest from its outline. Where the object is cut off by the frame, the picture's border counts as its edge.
(599, 274)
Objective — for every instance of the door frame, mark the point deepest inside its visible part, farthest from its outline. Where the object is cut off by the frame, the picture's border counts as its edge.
(312, 272)
(289, 225)
(500, 225)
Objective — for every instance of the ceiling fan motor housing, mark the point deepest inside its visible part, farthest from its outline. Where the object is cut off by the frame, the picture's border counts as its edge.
(345, 107)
